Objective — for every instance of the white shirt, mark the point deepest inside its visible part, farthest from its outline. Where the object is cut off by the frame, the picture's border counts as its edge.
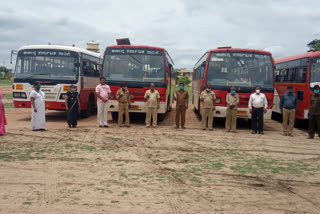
(258, 101)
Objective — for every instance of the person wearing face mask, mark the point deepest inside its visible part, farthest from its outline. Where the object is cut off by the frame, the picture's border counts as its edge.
(232, 100)
(288, 107)
(72, 101)
(258, 105)
(123, 97)
(182, 98)
(314, 113)
(208, 99)
(103, 92)
(153, 104)
(38, 115)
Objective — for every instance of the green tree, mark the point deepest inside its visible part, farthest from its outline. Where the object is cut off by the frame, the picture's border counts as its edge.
(185, 80)
(314, 45)
(5, 70)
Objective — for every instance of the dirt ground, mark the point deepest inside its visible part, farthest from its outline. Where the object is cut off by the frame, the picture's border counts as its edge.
(163, 170)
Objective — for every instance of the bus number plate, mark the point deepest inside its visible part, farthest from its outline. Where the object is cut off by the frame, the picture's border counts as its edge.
(134, 107)
(242, 112)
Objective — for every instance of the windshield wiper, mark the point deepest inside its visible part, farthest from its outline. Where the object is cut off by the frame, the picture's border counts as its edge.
(135, 59)
(237, 58)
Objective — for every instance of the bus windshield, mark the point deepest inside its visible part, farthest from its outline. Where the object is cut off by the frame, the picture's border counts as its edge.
(315, 72)
(47, 64)
(240, 69)
(134, 64)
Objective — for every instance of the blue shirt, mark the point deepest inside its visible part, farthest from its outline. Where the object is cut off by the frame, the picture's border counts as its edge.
(289, 101)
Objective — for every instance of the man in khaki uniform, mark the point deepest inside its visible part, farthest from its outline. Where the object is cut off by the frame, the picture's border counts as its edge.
(182, 98)
(232, 100)
(123, 97)
(153, 104)
(208, 99)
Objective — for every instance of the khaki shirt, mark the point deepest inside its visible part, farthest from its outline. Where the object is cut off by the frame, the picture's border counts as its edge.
(182, 97)
(152, 102)
(125, 98)
(232, 100)
(207, 98)
(314, 108)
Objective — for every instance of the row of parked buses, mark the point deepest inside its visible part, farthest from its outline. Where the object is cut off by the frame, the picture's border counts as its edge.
(56, 67)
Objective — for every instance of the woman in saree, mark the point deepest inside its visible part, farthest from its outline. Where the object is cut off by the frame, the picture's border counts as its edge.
(3, 120)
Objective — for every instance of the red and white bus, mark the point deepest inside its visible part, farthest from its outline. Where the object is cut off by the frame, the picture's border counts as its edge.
(56, 68)
(300, 71)
(139, 66)
(242, 68)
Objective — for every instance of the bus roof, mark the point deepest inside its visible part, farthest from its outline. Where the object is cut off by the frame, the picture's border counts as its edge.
(299, 56)
(60, 47)
(238, 49)
(135, 46)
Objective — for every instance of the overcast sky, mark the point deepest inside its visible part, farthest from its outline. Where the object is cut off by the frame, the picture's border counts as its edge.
(186, 28)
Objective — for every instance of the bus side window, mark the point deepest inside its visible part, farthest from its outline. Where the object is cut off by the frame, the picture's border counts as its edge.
(85, 67)
(301, 75)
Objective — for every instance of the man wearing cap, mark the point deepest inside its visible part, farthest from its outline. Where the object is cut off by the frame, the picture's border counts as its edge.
(314, 112)
(123, 97)
(208, 99)
(182, 98)
(232, 100)
(288, 107)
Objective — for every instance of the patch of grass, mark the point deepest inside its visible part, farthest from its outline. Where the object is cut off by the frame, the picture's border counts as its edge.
(8, 105)
(27, 203)
(123, 174)
(115, 139)
(124, 193)
(6, 82)
(260, 164)
(78, 190)
(216, 166)
(7, 96)
(88, 148)
(99, 204)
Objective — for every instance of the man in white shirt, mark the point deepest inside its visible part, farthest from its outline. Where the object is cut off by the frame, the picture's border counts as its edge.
(258, 105)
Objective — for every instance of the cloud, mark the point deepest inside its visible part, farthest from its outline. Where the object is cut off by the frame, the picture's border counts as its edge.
(186, 28)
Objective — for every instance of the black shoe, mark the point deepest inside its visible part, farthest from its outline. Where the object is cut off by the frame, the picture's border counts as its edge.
(261, 133)
(106, 126)
(101, 126)
(253, 132)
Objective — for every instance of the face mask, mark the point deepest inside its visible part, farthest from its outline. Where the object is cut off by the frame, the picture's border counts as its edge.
(181, 88)
(208, 89)
(233, 92)
(124, 88)
(258, 91)
(316, 91)
(290, 92)
(73, 89)
(38, 87)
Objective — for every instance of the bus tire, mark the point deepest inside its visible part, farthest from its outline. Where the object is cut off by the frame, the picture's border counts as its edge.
(169, 105)
(161, 117)
(114, 116)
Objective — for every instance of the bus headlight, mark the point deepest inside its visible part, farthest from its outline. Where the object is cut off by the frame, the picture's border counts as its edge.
(218, 100)
(21, 95)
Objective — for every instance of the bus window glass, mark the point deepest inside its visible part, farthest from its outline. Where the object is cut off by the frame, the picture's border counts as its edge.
(240, 69)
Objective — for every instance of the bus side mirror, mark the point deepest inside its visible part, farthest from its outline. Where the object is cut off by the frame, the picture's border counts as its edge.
(170, 66)
(13, 52)
(77, 64)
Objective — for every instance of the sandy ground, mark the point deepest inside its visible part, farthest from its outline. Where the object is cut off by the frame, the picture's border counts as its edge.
(163, 170)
